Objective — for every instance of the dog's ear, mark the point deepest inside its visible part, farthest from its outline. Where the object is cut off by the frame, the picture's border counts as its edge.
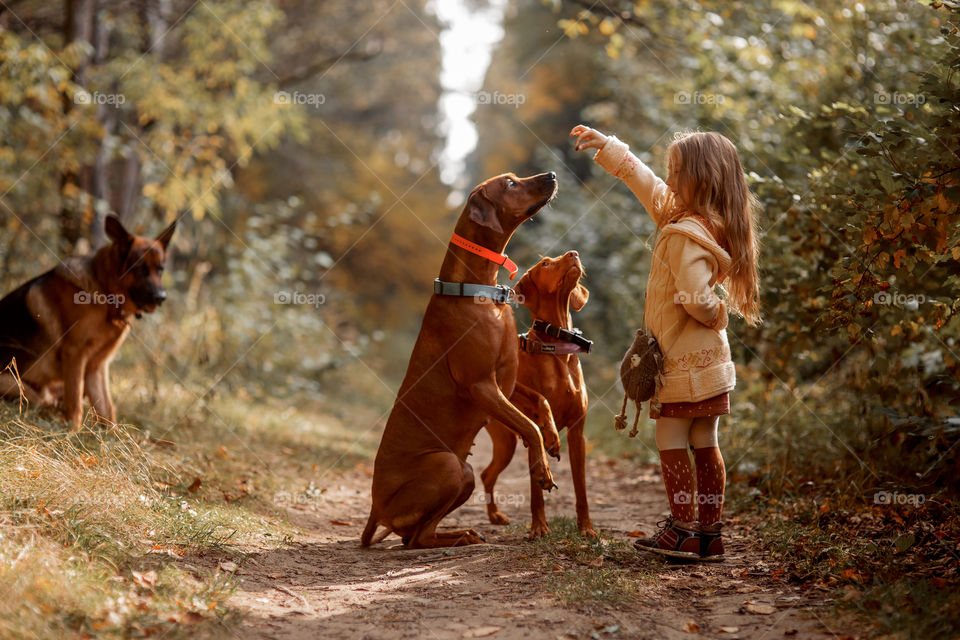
(579, 297)
(482, 211)
(116, 232)
(525, 289)
(166, 235)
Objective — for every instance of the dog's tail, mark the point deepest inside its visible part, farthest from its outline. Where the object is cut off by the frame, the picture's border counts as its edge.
(367, 536)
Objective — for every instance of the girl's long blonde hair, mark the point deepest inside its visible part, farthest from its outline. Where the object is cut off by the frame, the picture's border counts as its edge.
(708, 180)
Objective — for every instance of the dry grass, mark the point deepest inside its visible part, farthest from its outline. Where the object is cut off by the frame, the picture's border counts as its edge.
(95, 530)
(120, 532)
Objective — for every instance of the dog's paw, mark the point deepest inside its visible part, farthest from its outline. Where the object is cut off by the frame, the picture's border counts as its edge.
(498, 517)
(475, 536)
(546, 483)
(540, 471)
(538, 530)
(551, 444)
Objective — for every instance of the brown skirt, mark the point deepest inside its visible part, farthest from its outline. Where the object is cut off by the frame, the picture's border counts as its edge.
(715, 406)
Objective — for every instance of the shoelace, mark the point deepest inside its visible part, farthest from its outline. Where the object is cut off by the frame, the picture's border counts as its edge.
(663, 525)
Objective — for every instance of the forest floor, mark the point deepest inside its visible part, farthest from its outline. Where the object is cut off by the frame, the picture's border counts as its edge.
(323, 584)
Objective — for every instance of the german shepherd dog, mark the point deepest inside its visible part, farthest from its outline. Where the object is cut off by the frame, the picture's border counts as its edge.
(59, 331)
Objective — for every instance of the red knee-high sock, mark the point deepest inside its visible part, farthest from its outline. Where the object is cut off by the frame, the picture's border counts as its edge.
(711, 479)
(678, 480)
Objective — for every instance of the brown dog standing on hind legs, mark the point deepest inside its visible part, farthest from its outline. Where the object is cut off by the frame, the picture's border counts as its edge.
(549, 367)
(59, 331)
(462, 371)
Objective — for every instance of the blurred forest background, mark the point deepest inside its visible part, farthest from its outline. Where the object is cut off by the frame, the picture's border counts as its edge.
(845, 115)
(299, 144)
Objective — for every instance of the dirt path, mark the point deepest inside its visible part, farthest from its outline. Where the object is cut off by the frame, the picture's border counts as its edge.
(326, 586)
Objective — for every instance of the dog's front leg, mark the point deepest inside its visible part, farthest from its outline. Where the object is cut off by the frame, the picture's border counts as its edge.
(488, 396)
(73, 376)
(538, 409)
(97, 384)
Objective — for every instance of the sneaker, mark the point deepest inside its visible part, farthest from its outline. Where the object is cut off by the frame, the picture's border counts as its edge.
(711, 542)
(675, 539)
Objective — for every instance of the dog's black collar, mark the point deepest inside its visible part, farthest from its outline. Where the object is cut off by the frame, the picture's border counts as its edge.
(574, 336)
(482, 292)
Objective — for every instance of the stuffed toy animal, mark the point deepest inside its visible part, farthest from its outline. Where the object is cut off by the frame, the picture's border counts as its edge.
(640, 372)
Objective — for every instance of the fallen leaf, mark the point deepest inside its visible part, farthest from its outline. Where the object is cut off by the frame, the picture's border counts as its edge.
(691, 627)
(728, 629)
(185, 617)
(227, 566)
(87, 460)
(596, 563)
(904, 542)
(850, 574)
(760, 608)
(192, 617)
(636, 534)
(194, 485)
(480, 632)
(341, 523)
(147, 579)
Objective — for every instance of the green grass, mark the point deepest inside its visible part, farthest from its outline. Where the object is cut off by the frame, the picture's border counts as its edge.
(589, 572)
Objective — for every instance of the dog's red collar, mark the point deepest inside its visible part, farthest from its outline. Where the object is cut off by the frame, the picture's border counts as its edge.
(500, 258)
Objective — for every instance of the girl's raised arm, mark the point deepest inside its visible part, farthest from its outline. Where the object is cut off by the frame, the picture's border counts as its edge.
(614, 156)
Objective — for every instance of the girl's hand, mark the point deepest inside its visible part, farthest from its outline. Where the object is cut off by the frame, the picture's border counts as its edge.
(587, 138)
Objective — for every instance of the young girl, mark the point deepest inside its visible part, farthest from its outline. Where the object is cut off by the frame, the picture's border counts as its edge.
(704, 212)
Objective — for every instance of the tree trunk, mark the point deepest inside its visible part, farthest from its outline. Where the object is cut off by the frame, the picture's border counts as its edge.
(108, 115)
(129, 192)
(78, 27)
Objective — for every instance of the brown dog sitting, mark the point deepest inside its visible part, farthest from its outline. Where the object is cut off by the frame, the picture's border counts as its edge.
(60, 330)
(549, 365)
(462, 371)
